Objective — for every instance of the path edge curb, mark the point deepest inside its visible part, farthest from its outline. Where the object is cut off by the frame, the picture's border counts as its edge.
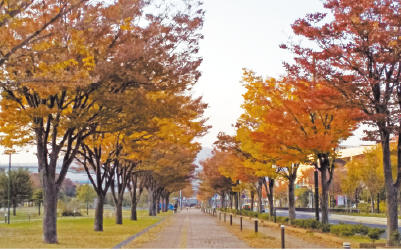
(133, 237)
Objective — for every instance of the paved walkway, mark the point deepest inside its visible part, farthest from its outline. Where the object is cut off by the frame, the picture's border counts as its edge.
(194, 229)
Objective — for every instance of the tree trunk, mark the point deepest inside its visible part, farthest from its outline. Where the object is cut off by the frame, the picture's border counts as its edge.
(372, 201)
(391, 190)
(39, 209)
(50, 192)
(291, 200)
(14, 209)
(269, 192)
(98, 226)
(119, 213)
(222, 199)
(167, 201)
(231, 200)
(252, 199)
(133, 206)
(163, 202)
(236, 200)
(324, 169)
(151, 202)
(324, 197)
(260, 193)
(158, 204)
(356, 198)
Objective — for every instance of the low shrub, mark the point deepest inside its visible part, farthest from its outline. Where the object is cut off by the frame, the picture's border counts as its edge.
(264, 216)
(70, 213)
(325, 228)
(308, 223)
(361, 229)
(375, 233)
(282, 219)
(343, 230)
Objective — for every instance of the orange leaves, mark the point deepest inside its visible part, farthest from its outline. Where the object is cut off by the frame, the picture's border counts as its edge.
(291, 120)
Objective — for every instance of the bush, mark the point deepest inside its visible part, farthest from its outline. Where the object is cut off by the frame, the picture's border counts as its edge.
(309, 223)
(282, 219)
(343, 230)
(70, 213)
(375, 233)
(312, 223)
(361, 229)
(264, 216)
(325, 228)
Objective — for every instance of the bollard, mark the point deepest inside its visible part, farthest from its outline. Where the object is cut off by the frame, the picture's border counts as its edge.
(256, 226)
(347, 245)
(282, 237)
(224, 217)
(240, 219)
(231, 219)
(219, 215)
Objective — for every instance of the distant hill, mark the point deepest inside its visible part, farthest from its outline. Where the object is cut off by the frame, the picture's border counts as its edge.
(202, 155)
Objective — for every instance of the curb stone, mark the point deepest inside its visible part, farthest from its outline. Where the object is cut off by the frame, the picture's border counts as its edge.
(133, 237)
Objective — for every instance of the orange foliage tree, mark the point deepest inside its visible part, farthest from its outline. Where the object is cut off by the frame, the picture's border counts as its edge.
(84, 74)
(293, 125)
(357, 53)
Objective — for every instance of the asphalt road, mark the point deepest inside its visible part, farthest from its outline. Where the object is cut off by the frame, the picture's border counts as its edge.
(345, 219)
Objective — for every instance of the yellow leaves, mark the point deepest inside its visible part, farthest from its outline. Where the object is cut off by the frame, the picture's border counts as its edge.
(126, 24)
(89, 62)
(156, 95)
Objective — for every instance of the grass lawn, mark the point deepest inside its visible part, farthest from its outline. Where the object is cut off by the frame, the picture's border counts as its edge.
(75, 232)
(361, 239)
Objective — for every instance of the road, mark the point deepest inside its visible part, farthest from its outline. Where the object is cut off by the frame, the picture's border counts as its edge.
(337, 218)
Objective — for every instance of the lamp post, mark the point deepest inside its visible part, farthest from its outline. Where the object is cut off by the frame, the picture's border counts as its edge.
(9, 187)
(9, 152)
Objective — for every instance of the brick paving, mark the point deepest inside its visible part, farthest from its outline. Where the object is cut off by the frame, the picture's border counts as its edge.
(194, 229)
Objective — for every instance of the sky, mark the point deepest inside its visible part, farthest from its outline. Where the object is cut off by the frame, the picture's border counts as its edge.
(237, 34)
(245, 34)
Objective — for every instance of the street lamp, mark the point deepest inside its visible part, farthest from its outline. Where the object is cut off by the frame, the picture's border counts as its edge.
(9, 152)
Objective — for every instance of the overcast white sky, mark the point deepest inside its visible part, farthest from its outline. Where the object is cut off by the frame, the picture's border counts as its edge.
(238, 34)
(244, 34)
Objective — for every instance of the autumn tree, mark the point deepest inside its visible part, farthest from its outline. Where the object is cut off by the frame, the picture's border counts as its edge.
(58, 91)
(351, 183)
(294, 125)
(356, 54)
(169, 168)
(231, 165)
(212, 180)
(259, 164)
(372, 174)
